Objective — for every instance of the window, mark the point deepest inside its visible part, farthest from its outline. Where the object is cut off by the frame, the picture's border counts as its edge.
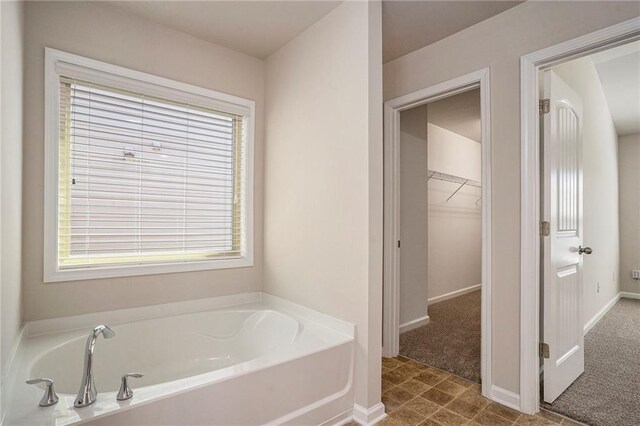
(150, 175)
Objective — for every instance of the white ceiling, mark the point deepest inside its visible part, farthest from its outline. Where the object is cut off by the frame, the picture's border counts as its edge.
(459, 114)
(260, 27)
(619, 72)
(257, 28)
(410, 25)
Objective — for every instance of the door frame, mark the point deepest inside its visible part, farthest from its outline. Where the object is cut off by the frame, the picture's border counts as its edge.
(391, 279)
(530, 65)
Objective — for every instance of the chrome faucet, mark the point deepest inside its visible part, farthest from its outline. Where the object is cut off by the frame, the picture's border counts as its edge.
(87, 393)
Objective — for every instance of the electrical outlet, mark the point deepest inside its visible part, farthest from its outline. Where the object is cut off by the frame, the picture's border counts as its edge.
(635, 274)
(598, 288)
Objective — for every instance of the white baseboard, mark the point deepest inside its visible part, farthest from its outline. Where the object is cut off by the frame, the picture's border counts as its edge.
(597, 317)
(371, 416)
(505, 397)
(454, 294)
(418, 322)
(341, 419)
(387, 353)
(629, 295)
(602, 312)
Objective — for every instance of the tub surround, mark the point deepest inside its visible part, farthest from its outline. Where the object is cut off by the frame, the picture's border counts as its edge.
(231, 351)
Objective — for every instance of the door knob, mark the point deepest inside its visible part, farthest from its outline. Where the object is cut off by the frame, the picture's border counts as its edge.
(585, 250)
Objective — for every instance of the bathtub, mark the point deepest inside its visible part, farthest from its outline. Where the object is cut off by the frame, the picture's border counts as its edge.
(260, 360)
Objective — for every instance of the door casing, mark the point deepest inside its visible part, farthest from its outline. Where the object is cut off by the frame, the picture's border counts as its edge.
(530, 65)
(391, 282)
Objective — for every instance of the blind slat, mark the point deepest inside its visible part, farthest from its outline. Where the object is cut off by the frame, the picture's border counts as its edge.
(148, 248)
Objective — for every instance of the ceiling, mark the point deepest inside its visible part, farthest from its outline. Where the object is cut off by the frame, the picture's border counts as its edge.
(257, 28)
(410, 25)
(619, 72)
(459, 114)
(260, 27)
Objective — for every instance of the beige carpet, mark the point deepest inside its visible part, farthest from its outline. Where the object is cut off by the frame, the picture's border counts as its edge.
(608, 392)
(451, 340)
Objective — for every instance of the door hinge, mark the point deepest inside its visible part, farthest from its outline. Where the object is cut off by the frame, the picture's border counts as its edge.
(398, 243)
(544, 106)
(545, 228)
(543, 350)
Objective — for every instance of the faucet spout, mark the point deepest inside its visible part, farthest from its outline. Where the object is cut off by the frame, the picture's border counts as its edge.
(87, 394)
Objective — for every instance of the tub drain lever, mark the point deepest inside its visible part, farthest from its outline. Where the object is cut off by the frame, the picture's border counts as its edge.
(49, 397)
(125, 391)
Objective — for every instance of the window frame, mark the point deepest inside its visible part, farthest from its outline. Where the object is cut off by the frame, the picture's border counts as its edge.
(59, 63)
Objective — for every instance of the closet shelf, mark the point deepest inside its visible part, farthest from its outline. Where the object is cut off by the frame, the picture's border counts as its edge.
(432, 174)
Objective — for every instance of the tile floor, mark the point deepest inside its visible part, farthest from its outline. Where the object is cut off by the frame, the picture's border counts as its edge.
(415, 394)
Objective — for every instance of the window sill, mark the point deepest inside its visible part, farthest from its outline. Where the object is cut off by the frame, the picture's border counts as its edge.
(56, 275)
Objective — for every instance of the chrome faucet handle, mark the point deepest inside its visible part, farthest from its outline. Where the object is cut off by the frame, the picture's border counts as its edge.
(125, 391)
(49, 397)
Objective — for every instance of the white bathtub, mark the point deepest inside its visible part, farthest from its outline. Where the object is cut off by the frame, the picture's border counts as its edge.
(262, 362)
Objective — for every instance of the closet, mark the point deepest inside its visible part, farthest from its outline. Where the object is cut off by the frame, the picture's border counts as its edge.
(441, 234)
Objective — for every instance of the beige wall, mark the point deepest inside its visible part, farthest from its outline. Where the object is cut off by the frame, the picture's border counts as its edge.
(101, 32)
(600, 180)
(455, 226)
(12, 35)
(323, 177)
(629, 157)
(453, 154)
(413, 214)
(498, 43)
(455, 249)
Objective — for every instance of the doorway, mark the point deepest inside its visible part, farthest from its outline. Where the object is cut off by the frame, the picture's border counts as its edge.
(572, 225)
(590, 131)
(440, 232)
(479, 82)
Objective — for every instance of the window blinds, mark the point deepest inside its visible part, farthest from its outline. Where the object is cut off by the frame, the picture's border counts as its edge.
(146, 180)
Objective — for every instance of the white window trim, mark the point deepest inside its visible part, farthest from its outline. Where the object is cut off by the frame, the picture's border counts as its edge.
(97, 71)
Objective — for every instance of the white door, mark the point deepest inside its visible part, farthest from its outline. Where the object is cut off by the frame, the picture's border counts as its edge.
(562, 259)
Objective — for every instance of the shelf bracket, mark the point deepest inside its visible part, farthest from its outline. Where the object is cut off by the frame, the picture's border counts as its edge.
(459, 188)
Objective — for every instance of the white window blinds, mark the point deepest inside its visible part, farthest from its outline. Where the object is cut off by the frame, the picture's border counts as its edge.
(146, 180)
